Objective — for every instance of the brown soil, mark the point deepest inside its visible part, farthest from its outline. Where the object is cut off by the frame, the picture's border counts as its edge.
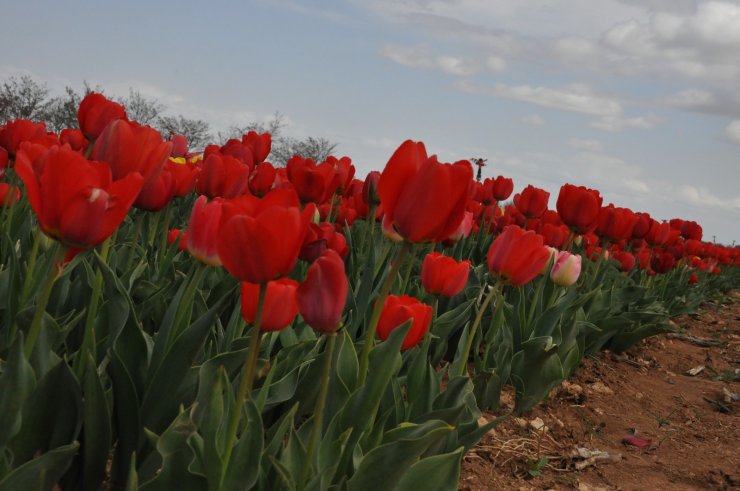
(692, 422)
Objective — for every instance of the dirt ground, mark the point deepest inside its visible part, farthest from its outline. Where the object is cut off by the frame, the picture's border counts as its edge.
(663, 416)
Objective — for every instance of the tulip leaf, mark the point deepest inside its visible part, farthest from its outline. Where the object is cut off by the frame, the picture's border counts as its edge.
(436, 473)
(244, 465)
(17, 382)
(395, 457)
(97, 437)
(41, 473)
(535, 370)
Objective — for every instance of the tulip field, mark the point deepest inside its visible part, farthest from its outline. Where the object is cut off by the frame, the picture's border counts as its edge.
(172, 319)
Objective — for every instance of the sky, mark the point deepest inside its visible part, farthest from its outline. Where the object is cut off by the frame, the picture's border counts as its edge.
(636, 98)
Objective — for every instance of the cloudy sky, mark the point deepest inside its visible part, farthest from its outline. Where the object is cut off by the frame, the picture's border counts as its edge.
(637, 98)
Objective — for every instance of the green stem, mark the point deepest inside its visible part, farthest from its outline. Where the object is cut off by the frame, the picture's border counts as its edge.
(88, 336)
(407, 272)
(31, 266)
(247, 380)
(319, 408)
(134, 241)
(43, 300)
(373, 325)
(479, 316)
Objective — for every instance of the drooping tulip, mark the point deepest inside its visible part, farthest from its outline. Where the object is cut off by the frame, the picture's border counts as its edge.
(322, 295)
(442, 275)
(423, 198)
(397, 310)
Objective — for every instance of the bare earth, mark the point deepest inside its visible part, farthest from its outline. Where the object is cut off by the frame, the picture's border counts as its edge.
(689, 424)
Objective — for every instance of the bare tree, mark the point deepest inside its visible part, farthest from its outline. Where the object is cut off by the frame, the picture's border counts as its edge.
(315, 148)
(197, 131)
(141, 109)
(22, 98)
(61, 111)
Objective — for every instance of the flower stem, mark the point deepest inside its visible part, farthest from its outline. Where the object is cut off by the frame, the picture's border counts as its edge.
(479, 316)
(319, 408)
(43, 300)
(373, 325)
(247, 380)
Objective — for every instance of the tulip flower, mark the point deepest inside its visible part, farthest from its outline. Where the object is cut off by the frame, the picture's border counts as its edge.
(566, 268)
(642, 226)
(442, 275)
(184, 174)
(156, 193)
(625, 259)
(313, 183)
(264, 244)
(658, 233)
(75, 139)
(370, 189)
(76, 201)
(579, 207)
(262, 179)
(222, 176)
(694, 278)
(553, 235)
(662, 261)
(399, 309)
(532, 201)
(423, 198)
(502, 188)
(17, 131)
(238, 150)
(129, 147)
(517, 256)
(344, 170)
(179, 236)
(258, 144)
(9, 195)
(615, 223)
(179, 146)
(691, 230)
(280, 306)
(320, 238)
(96, 112)
(201, 239)
(462, 230)
(3, 160)
(322, 295)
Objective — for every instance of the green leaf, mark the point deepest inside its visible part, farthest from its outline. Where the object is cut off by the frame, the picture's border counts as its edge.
(436, 473)
(41, 473)
(16, 385)
(535, 370)
(384, 466)
(97, 434)
(244, 465)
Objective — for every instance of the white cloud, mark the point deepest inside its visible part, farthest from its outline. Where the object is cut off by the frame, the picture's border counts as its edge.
(585, 144)
(701, 196)
(619, 122)
(533, 120)
(725, 103)
(689, 99)
(577, 98)
(421, 57)
(733, 131)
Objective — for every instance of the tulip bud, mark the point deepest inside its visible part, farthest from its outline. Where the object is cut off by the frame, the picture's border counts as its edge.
(566, 269)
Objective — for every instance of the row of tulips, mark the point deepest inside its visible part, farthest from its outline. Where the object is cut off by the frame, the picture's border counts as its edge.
(204, 319)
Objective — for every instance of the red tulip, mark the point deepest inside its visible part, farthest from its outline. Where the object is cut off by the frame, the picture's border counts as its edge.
(532, 201)
(659, 233)
(662, 261)
(502, 188)
(175, 235)
(615, 223)
(313, 183)
(259, 145)
(76, 201)
(691, 230)
(222, 176)
(320, 238)
(202, 235)
(344, 171)
(579, 207)
(3, 160)
(238, 150)
(694, 278)
(322, 295)
(179, 146)
(17, 131)
(423, 198)
(517, 256)
(75, 139)
(184, 174)
(625, 259)
(442, 275)
(398, 310)
(553, 235)
(96, 112)
(263, 245)
(370, 189)
(9, 195)
(129, 147)
(280, 307)
(262, 179)
(642, 226)
(156, 193)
